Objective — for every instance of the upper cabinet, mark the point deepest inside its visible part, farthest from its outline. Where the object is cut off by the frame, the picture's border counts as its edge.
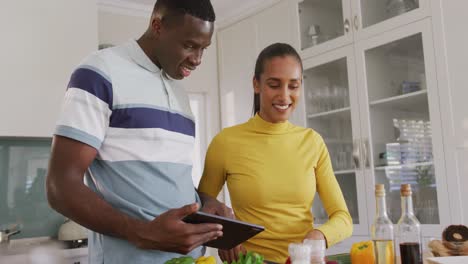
(327, 24)
(374, 88)
(322, 25)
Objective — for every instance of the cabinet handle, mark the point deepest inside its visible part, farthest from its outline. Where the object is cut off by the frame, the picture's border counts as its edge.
(357, 154)
(365, 152)
(346, 25)
(356, 22)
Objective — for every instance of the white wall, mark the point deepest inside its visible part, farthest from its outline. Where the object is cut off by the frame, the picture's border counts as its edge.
(454, 17)
(42, 42)
(117, 28)
(451, 42)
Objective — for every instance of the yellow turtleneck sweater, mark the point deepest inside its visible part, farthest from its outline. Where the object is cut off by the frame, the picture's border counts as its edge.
(273, 171)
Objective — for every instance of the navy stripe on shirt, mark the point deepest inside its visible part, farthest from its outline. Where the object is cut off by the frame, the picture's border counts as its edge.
(140, 117)
(93, 83)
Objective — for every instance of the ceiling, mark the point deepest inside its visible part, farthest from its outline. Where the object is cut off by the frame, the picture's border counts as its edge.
(224, 9)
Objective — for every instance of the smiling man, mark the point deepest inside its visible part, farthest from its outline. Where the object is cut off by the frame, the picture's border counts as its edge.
(127, 131)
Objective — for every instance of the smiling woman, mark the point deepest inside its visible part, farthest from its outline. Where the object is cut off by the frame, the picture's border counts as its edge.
(277, 82)
(273, 169)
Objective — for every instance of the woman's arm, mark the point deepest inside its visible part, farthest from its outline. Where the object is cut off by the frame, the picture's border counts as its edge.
(213, 179)
(214, 172)
(340, 224)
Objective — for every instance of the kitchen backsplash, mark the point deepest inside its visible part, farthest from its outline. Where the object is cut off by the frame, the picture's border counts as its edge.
(23, 165)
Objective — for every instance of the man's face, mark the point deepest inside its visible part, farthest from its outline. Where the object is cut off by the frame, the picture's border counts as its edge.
(181, 45)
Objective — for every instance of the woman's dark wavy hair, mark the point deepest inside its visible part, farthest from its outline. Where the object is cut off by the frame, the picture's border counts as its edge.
(201, 9)
(274, 50)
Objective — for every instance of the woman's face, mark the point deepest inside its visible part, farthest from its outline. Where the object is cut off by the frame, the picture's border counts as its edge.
(279, 88)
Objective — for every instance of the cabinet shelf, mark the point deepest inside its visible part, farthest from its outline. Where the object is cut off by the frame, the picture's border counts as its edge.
(329, 113)
(404, 102)
(401, 166)
(339, 172)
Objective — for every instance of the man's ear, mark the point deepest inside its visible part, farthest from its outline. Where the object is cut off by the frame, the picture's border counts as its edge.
(156, 26)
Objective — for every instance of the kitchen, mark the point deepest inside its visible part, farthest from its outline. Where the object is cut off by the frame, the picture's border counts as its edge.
(368, 69)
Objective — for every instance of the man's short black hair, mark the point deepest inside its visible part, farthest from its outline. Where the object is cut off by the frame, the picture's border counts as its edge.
(201, 9)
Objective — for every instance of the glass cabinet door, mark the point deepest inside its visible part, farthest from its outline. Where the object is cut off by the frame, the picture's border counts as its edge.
(376, 11)
(323, 21)
(373, 17)
(402, 106)
(328, 102)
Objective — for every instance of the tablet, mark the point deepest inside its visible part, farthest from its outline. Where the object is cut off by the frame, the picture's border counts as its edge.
(234, 231)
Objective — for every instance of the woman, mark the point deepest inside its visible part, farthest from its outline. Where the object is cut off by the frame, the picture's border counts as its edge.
(273, 168)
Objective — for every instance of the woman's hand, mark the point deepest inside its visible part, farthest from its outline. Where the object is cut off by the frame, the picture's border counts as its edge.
(231, 254)
(213, 206)
(315, 235)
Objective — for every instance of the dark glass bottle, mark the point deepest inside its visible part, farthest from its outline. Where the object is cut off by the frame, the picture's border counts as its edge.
(408, 231)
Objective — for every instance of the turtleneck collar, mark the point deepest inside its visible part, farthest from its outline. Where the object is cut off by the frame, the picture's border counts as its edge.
(261, 125)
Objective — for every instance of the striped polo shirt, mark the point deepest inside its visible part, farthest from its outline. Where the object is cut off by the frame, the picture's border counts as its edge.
(139, 120)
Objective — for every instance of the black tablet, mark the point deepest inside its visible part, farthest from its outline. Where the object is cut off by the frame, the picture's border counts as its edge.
(234, 231)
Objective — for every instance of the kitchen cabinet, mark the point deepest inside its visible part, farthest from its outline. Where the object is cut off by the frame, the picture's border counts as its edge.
(379, 128)
(326, 25)
(375, 89)
(387, 72)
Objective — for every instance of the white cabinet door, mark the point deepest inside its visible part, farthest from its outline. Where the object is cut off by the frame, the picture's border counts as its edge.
(237, 53)
(401, 122)
(371, 17)
(330, 106)
(322, 25)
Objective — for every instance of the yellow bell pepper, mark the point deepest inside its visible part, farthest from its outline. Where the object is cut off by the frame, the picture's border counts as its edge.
(363, 253)
(205, 260)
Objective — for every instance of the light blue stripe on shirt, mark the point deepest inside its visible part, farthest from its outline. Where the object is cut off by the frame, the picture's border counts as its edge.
(79, 135)
(143, 190)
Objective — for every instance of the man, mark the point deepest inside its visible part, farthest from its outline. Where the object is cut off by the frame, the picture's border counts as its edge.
(127, 130)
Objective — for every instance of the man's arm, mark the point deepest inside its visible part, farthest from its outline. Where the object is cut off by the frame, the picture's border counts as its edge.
(68, 194)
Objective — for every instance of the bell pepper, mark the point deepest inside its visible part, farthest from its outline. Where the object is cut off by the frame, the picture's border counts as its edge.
(205, 260)
(362, 253)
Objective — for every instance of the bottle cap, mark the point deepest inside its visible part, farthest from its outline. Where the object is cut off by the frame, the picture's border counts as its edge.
(405, 190)
(379, 190)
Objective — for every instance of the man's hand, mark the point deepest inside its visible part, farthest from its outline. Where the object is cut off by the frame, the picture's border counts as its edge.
(213, 206)
(169, 233)
(231, 254)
